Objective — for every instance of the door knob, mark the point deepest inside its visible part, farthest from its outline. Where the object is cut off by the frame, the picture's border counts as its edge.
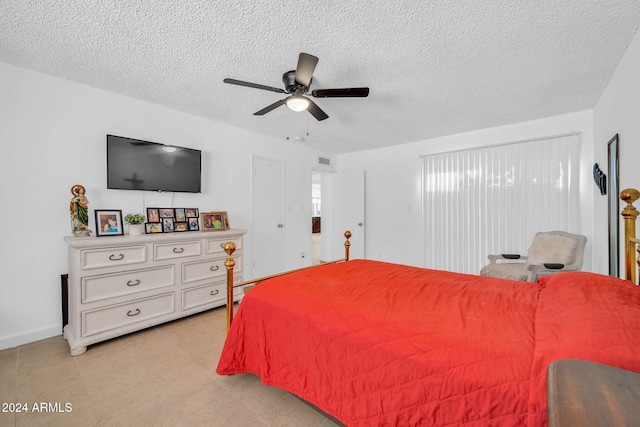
(280, 225)
(360, 224)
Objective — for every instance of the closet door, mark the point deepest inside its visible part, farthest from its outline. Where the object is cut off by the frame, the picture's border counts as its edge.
(268, 217)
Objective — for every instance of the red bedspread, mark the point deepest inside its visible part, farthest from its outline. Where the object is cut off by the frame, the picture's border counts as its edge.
(378, 344)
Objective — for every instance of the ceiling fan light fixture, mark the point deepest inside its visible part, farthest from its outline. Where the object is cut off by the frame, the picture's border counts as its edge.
(297, 103)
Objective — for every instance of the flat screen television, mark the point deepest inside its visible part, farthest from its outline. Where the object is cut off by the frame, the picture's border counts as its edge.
(133, 164)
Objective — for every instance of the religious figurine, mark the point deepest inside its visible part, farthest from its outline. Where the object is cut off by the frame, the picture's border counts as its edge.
(79, 210)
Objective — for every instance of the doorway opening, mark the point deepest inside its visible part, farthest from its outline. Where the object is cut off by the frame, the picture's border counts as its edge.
(316, 217)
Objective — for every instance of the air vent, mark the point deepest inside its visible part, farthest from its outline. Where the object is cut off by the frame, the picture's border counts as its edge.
(324, 161)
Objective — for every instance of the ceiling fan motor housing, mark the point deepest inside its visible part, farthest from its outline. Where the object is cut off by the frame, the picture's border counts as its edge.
(291, 85)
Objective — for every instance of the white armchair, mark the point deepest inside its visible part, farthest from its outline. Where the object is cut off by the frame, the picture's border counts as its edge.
(550, 252)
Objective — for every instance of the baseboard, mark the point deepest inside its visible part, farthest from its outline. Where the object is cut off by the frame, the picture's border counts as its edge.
(30, 336)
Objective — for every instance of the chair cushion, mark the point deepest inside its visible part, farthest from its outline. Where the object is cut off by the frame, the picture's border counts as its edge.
(550, 248)
(506, 270)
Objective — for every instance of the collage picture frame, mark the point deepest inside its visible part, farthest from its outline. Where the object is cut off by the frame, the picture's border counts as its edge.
(171, 220)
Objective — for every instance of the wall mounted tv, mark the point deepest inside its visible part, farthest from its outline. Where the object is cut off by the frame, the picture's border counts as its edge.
(142, 165)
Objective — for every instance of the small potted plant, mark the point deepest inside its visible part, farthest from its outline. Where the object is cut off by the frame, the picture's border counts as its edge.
(135, 222)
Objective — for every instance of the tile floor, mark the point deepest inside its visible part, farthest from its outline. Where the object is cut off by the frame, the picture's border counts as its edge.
(162, 376)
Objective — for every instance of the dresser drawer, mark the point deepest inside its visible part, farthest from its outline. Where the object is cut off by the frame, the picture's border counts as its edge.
(208, 294)
(97, 288)
(117, 316)
(209, 269)
(176, 250)
(217, 246)
(111, 257)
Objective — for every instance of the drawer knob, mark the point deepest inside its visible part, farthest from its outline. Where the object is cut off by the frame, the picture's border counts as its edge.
(178, 250)
(133, 283)
(215, 292)
(113, 257)
(214, 267)
(133, 313)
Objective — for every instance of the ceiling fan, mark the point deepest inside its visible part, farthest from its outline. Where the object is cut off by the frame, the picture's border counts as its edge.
(296, 83)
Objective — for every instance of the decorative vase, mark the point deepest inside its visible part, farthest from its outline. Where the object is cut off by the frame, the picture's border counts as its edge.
(136, 229)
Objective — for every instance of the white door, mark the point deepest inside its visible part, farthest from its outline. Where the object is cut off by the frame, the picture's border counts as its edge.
(268, 225)
(349, 212)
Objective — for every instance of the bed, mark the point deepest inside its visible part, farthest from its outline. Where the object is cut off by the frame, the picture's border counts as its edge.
(373, 343)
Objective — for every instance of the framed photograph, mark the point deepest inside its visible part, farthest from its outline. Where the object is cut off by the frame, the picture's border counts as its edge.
(180, 215)
(153, 227)
(193, 224)
(109, 222)
(167, 225)
(153, 215)
(166, 213)
(191, 213)
(180, 226)
(214, 221)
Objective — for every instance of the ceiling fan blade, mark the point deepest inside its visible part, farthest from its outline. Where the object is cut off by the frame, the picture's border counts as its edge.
(352, 92)
(273, 106)
(316, 111)
(306, 66)
(254, 85)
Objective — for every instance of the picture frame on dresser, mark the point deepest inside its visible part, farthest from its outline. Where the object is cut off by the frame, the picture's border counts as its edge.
(109, 222)
(153, 227)
(153, 215)
(214, 221)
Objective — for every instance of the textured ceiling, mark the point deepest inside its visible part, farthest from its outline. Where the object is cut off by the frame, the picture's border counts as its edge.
(434, 67)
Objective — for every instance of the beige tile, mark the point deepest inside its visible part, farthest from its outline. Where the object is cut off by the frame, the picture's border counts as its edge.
(50, 361)
(225, 411)
(259, 398)
(103, 361)
(110, 405)
(7, 419)
(8, 361)
(42, 347)
(291, 411)
(189, 397)
(208, 359)
(62, 383)
(187, 372)
(115, 381)
(78, 413)
(152, 412)
(8, 388)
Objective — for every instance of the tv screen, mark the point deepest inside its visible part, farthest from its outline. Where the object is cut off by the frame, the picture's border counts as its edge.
(142, 165)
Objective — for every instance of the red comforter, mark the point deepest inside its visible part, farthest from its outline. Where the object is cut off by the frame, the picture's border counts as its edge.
(378, 344)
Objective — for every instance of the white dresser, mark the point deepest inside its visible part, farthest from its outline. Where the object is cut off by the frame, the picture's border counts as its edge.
(121, 284)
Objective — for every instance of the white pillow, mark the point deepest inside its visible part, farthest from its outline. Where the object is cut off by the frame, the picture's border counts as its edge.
(550, 248)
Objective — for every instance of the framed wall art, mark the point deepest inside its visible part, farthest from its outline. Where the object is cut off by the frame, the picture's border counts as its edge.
(108, 222)
(214, 221)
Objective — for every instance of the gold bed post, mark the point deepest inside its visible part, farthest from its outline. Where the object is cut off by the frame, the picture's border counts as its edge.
(629, 213)
(347, 244)
(229, 248)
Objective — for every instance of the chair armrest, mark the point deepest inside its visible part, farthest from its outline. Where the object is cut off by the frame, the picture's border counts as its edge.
(509, 257)
(539, 270)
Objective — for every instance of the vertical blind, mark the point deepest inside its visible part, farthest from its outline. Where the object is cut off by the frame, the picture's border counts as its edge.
(493, 200)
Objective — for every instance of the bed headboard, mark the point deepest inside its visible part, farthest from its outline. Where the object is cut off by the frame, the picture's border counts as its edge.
(631, 249)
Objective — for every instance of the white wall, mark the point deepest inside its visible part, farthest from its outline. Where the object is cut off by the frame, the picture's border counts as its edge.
(394, 210)
(618, 112)
(53, 135)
